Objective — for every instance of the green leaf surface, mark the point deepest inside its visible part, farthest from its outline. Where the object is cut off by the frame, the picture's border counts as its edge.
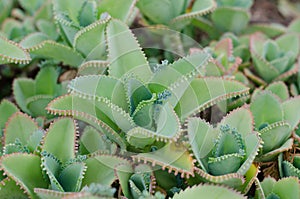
(29, 175)
(71, 176)
(59, 52)
(60, 139)
(12, 52)
(205, 92)
(100, 169)
(21, 127)
(208, 191)
(7, 109)
(124, 53)
(121, 10)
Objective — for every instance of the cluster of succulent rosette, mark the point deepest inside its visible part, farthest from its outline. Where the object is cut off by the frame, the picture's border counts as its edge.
(106, 118)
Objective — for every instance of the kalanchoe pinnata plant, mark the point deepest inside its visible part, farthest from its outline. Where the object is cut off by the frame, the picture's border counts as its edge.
(12, 52)
(173, 13)
(229, 16)
(273, 59)
(225, 153)
(77, 23)
(29, 18)
(32, 96)
(50, 164)
(285, 188)
(275, 119)
(137, 181)
(144, 107)
(208, 191)
(290, 166)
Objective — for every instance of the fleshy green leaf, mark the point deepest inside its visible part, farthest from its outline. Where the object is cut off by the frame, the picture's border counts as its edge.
(60, 139)
(124, 53)
(11, 52)
(29, 175)
(208, 191)
(21, 127)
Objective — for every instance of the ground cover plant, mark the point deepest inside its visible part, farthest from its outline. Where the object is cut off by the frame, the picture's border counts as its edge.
(149, 99)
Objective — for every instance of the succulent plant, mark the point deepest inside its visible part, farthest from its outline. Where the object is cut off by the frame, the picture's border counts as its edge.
(274, 59)
(225, 153)
(146, 106)
(137, 181)
(32, 96)
(28, 18)
(229, 16)
(173, 13)
(12, 52)
(290, 166)
(284, 188)
(275, 120)
(208, 191)
(45, 165)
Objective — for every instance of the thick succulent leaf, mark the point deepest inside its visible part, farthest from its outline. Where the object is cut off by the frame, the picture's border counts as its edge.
(19, 126)
(264, 68)
(270, 29)
(92, 140)
(199, 8)
(34, 140)
(37, 103)
(50, 194)
(232, 180)
(290, 114)
(7, 109)
(274, 135)
(279, 89)
(67, 28)
(172, 156)
(9, 189)
(45, 81)
(71, 176)
(84, 110)
(88, 13)
(100, 169)
(52, 167)
(179, 74)
(33, 40)
(287, 188)
(241, 119)
(230, 19)
(93, 68)
(201, 137)
(60, 52)
(208, 191)
(12, 52)
(158, 11)
(167, 128)
(94, 32)
(123, 172)
(266, 109)
(6, 6)
(205, 92)
(70, 7)
(22, 90)
(94, 86)
(273, 154)
(32, 6)
(124, 53)
(283, 43)
(29, 175)
(60, 139)
(121, 10)
(47, 28)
